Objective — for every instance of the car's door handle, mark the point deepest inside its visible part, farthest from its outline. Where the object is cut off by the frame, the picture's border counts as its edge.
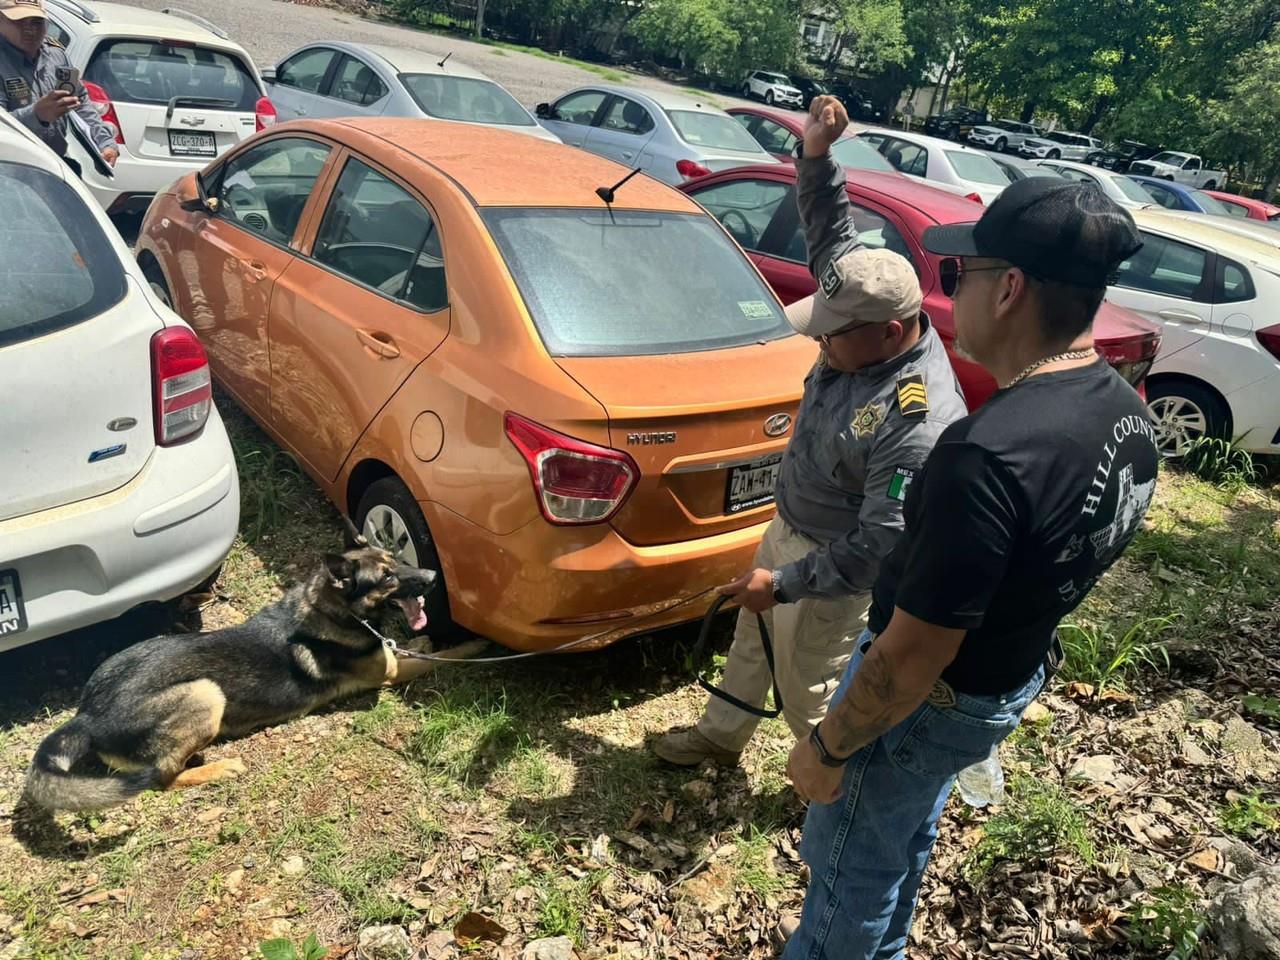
(378, 343)
(256, 269)
(1180, 316)
(627, 154)
(300, 112)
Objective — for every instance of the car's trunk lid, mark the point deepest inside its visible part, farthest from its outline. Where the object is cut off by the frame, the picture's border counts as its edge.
(697, 429)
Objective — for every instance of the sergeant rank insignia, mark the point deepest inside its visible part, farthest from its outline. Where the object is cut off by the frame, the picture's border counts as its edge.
(867, 419)
(913, 399)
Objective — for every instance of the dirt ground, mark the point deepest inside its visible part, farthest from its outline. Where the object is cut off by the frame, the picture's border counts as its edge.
(1145, 776)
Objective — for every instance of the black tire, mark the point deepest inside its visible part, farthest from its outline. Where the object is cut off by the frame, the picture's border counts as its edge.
(159, 286)
(1211, 185)
(1182, 411)
(1053, 155)
(768, 97)
(391, 494)
(1001, 144)
(746, 91)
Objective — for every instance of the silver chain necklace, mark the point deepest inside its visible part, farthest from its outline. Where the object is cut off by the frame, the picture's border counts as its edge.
(1069, 355)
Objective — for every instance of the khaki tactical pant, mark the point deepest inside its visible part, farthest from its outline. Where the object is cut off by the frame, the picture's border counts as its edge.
(812, 643)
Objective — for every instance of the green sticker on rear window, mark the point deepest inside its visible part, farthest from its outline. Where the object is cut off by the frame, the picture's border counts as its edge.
(902, 478)
(755, 309)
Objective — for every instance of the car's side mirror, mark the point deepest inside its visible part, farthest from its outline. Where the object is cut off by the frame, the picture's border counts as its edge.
(542, 111)
(269, 75)
(193, 196)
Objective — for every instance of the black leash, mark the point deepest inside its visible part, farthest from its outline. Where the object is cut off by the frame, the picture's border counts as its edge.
(698, 655)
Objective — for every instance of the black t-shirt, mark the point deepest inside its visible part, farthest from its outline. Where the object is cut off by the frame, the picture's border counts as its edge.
(1018, 511)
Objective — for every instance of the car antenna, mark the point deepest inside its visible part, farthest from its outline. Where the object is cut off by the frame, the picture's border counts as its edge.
(446, 57)
(607, 194)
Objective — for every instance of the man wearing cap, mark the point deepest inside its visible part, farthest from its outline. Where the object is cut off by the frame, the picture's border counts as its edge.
(29, 62)
(1019, 509)
(874, 404)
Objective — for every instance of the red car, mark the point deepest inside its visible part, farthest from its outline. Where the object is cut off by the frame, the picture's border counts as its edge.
(778, 131)
(757, 206)
(1246, 207)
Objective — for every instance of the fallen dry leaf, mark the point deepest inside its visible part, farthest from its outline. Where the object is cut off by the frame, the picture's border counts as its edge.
(1206, 859)
(476, 926)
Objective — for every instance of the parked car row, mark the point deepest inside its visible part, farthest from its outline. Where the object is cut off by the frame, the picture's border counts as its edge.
(797, 92)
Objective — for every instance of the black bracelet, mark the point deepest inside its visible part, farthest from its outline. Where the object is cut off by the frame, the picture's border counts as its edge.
(826, 756)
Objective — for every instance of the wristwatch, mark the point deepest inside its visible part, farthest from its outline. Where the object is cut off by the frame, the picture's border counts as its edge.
(826, 756)
(778, 595)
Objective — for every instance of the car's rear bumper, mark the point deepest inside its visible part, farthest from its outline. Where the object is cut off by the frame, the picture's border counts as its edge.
(520, 589)
(152, 539)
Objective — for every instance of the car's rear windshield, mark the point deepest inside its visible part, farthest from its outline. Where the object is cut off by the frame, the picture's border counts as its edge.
(58, 268)
(1133, 190)
(465, 98)
(599, 284)
(1173, 159)
(713, 131)
(852, 152)
(977, 167)
(156, 71)
(1210, 204)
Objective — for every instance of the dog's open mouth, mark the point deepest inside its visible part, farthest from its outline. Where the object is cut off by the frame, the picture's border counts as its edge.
(413, 612)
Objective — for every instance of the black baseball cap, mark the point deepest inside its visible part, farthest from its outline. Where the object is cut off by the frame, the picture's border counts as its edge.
(1054, 230)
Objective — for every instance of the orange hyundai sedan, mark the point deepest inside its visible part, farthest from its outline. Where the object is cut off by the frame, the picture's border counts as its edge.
(573, 409)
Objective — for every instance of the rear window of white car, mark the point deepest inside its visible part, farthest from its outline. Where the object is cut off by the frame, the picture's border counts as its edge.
(976, 167)
(465, 98)
(598, 283)
(713, 131)
(156, 71)
(58, 268)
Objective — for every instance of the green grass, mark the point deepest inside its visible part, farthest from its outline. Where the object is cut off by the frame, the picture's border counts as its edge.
(1250, 816)
(1171, 920)
(1107, 656)
(360, 880)
(753, 863)
(378, 719)
(463, 732)
(562, 906)
(1221, 462)
(1039, 820)
(533, 775)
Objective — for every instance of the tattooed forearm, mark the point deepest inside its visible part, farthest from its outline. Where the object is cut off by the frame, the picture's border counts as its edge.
(874, 704)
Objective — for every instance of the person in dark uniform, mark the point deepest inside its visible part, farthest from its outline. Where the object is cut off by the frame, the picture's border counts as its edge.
(29, 65)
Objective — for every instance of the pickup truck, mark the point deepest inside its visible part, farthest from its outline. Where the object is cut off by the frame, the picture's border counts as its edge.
(1185, 168)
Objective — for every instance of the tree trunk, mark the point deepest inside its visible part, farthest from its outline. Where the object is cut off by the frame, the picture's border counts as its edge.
(480, 4)
(1100, 107)
(1028, 111)
(1273, 181)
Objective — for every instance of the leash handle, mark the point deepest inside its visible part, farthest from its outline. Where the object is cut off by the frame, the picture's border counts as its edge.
(699, 649)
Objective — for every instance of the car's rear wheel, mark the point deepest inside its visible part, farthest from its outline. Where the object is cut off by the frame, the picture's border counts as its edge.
(746, 91)
(1182, 412)
(390, 518)
(1001, 144)
(1053, 154)
(1211, 185)
(159, 286)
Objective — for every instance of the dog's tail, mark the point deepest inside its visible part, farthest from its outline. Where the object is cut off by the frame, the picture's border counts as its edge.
(52, 785)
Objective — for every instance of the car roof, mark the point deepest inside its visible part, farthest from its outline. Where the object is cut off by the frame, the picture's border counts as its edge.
(1208, 233)
(402, 60)
(498, 167)
(20, 145)
(121, 19)
(663, 99)
(936, 143)
(792, 121)
(1253, 202)
(1174, 185)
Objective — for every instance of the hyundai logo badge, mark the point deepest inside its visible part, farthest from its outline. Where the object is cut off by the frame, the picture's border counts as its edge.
(777, 425)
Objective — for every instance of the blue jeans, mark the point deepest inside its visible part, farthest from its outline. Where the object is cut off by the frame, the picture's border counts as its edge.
(867, 852)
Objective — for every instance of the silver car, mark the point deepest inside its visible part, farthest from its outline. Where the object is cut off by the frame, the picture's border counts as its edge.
(672, 138)
(339, 79)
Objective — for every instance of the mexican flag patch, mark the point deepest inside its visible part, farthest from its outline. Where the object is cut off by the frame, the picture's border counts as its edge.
(902, 478)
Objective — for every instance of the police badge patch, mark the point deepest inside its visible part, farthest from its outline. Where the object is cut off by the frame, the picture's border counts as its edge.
(16, 92)
(867, 419)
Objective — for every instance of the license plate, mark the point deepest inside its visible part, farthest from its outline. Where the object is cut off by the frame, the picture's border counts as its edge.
(13, 615)
(752, 484)
(182, 144)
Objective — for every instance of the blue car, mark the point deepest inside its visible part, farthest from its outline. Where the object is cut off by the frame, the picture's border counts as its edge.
(1177, 196)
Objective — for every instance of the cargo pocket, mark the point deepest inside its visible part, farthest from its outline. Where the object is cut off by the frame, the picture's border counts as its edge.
(939, 743)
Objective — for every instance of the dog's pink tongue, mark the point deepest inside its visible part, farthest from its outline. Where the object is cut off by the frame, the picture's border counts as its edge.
(414, 612)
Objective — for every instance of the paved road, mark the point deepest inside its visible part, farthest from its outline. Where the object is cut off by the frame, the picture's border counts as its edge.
(270, 29)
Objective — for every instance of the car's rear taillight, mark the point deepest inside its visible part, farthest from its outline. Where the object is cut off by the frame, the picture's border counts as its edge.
(182, 390)
(691, 169)
(106, 109)
(975, 197)
(576, 482)
(1131, 357)
(264, 114)
(1269, 337)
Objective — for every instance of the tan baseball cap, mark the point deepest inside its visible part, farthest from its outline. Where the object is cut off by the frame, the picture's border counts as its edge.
(22, 9)
(863, 286)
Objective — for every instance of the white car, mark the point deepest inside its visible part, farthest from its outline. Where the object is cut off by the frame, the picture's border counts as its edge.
(772, 88)
(176, 89)
(940, 163)
(1213, 293)
(1184, 168)
(1260, 230)
(339, 79)
(1125, 192)
(1002, 135)
(1059, 145)
(119, 485)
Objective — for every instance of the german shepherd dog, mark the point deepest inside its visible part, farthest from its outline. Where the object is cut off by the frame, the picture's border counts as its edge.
(149, 710)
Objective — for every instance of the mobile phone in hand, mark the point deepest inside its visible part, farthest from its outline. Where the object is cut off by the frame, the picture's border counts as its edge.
(68, 79)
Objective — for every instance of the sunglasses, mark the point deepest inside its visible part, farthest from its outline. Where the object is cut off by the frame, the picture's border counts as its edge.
(952, 271)
(825, 339)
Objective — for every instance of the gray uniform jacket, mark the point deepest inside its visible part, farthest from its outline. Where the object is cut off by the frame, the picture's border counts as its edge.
(860, 437)
(24, 81)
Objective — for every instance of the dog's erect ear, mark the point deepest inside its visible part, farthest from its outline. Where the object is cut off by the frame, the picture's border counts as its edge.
(353, 538)
(341, 570)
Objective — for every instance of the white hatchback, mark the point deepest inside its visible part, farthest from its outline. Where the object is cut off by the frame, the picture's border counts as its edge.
(177, 89)
(940, 163)
(118, 485)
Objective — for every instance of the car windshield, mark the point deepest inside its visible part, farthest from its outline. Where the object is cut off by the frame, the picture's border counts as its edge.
(1133, 190)
(1057, 137)
(1210, 204)
(58, 267)
(852, 152)
(156, 71)
(1006, 125)
(977, 167)
(598, 283)
(465, 98)
(713, 131)
(1173, 159)
(774, 78)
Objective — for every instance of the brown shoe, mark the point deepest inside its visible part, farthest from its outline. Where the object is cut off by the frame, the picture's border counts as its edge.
(786, 929)
(688, 748)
